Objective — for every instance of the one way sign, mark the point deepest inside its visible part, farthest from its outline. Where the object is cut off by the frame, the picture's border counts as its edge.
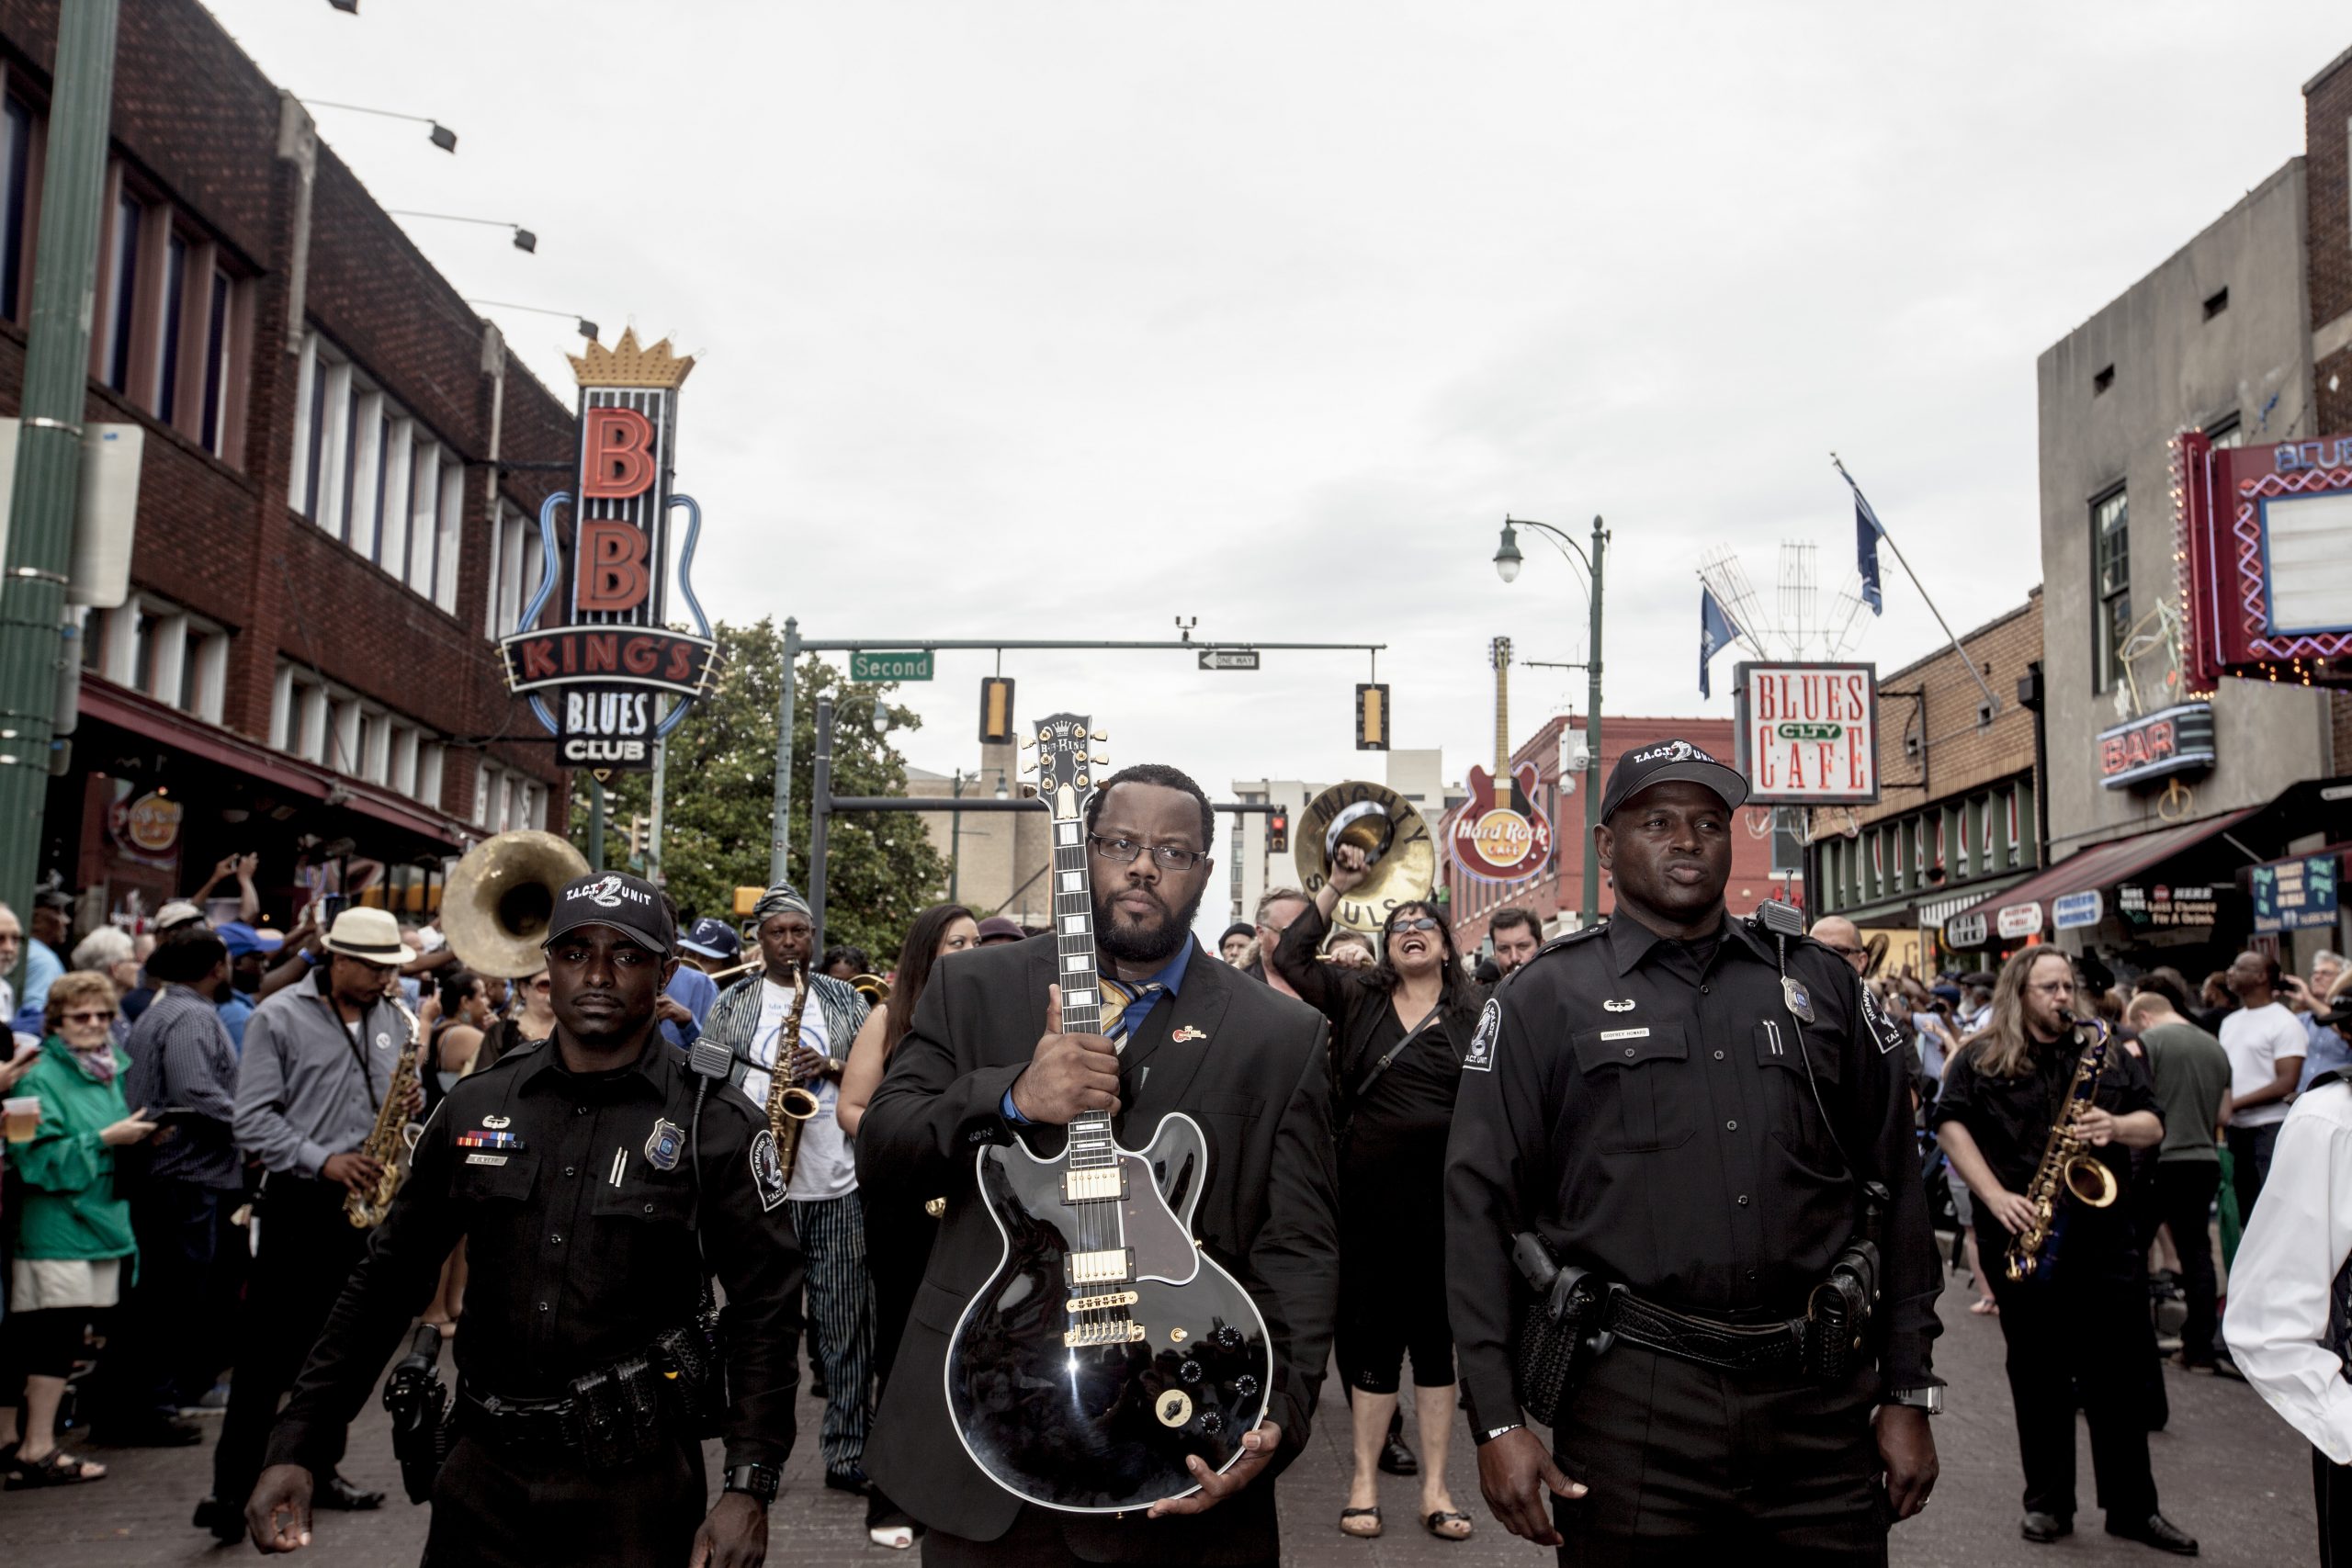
(1228, 659)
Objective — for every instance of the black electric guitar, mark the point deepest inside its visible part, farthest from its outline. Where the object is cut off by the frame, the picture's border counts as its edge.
(1107, 1347)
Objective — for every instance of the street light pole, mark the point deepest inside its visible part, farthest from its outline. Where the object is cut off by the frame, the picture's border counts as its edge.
(955, 845)
(1507, 561)
(49, 449)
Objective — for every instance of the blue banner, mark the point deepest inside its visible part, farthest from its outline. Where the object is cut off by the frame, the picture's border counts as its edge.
(1716, 633)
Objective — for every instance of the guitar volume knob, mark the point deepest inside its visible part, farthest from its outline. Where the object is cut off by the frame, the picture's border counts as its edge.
(1246, 1386)
(1189, 1373)
(1228, 1338)
(1211, 1422)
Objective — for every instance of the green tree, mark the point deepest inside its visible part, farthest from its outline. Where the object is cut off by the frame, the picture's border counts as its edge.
(881, 869)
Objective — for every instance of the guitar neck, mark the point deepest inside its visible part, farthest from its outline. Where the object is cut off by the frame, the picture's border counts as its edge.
(1075, 969)
(1502, 727)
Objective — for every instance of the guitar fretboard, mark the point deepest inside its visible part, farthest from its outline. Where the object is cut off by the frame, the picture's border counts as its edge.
(1090, 1132)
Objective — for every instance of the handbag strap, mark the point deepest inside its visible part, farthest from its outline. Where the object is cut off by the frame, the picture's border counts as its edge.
(1397, 1050)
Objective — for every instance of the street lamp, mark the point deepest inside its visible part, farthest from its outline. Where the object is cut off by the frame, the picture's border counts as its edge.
(441, 136)
(580, 323)
(1507, 561)
(524, 240)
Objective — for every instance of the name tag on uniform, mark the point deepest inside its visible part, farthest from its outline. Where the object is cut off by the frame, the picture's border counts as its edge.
(485, 1160)
(1641, 1033)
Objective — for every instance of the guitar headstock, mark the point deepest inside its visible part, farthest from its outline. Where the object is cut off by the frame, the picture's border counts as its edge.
(1067, 765)
(1500, 650)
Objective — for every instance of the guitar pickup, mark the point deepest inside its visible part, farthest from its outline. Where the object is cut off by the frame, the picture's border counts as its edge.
(1124, 1331)
(1113, 1266)
(1102, 1181)
(1102, 1304)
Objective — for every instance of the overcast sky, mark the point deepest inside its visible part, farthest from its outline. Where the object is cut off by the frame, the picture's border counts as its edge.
(1024, 319)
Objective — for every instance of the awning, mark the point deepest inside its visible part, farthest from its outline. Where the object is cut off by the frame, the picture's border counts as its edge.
(2096, 869)
(143, 716)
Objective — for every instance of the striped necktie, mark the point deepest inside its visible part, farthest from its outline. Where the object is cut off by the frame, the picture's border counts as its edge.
(1122, 997)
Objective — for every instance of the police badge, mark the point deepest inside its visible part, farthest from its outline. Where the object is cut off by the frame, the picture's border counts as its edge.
(666, 1143)
(767, 1171)
(1480, 1057)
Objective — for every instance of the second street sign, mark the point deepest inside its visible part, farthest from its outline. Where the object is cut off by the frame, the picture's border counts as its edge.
(1228, 659)
(913, 664)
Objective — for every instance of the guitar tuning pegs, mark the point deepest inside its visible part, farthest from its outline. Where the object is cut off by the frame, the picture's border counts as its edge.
(1100, 736)
(1099, 759)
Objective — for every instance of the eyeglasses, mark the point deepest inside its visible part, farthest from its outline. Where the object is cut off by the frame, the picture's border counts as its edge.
(1845, 951)
(1167, 857)
(1418, 923)
(86, 1017)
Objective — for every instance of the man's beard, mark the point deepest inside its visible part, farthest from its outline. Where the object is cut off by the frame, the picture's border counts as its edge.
(1133, 945)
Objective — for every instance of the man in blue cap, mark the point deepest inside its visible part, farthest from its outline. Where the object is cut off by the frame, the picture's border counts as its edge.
(249, 953)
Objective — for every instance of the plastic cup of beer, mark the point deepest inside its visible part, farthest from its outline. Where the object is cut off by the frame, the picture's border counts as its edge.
(23, 1114)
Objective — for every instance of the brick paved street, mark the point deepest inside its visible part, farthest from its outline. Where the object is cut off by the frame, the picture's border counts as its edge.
(2229, 1473)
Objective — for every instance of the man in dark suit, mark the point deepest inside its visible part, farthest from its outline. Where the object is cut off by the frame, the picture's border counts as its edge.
(1246, 1063)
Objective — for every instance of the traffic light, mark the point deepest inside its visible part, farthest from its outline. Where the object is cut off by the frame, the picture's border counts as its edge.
(1372, 717)
(1278, 832)
(640, 834)
(996, 710)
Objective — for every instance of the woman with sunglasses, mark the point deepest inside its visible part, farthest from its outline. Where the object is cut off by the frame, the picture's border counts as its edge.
(1398, 1030)
(530, 1023)
(74, 1238)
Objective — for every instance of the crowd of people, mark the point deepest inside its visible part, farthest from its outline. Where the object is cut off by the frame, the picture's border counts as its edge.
(192, 1109)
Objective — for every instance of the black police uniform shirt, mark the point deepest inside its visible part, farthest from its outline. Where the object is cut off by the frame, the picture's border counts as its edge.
(575, 1192)
(1643, 1105)
(2010, 1119)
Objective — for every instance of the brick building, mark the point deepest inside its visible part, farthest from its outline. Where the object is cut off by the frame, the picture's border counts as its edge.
(1958, 813)
(2244, 334)
(1760, 867)
(331, 522)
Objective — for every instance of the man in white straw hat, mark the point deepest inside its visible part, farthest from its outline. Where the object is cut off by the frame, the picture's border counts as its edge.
(318, 1062)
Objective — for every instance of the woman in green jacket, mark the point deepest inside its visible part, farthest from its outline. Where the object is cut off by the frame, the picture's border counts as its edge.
(73, 1239)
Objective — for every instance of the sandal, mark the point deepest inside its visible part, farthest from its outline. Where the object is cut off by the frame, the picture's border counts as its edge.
(1441, 1525)
(1986, 1306)
(60, 1469)
(1347, 1527)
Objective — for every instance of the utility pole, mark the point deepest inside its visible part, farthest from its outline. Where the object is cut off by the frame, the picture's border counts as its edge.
(49, 447)
(595, 825)
(653, 835)
(780, 819)
(956, 844)
(1590, 912)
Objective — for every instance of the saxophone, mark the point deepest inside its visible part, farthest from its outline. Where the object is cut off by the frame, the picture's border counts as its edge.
(790, 1107)
(394, 1134)
(2065, 1169)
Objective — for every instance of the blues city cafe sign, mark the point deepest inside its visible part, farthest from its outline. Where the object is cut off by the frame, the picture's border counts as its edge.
(1807, 734)
(615, 677)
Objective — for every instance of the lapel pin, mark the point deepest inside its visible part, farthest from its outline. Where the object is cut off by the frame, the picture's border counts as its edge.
(1189, 1033)
(1626, 1006)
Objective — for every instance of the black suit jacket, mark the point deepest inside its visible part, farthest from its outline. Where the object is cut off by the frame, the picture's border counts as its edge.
(1256, 1081)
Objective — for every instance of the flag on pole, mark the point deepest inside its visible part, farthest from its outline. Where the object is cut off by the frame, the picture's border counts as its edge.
(1715, 631)
(1867, 534)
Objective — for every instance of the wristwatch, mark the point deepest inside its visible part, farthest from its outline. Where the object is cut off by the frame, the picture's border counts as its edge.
(755, 1480)
(1930, 1399)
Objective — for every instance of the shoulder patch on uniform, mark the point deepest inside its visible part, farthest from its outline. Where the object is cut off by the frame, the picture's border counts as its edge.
(1883, 1030)
(1480, 1057)
(767, 1171)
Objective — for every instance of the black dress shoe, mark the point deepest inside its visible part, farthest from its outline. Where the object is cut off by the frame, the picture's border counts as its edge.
(341, 1496)
(2155, 1530)
(2045, 1528)
(226, 1523)
(1396, 1459)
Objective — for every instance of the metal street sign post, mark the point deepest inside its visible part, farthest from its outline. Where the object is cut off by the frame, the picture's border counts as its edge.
(780, 807)
(1228, 659)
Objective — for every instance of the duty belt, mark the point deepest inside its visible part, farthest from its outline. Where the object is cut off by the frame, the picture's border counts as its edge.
(1727, 1347)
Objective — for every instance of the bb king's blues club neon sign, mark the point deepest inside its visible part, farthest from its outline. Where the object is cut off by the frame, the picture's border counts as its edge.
(597, 682)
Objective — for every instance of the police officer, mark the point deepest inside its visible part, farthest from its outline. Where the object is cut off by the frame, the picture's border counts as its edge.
(1712, 1135)
(578, 1169)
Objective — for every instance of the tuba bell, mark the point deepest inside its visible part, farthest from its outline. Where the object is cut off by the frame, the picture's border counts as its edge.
(1394, 839)
(495, 910)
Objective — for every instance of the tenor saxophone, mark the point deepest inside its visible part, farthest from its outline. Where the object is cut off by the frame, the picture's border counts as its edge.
(394, 1134)
(2066, 1168)
(790, 1106)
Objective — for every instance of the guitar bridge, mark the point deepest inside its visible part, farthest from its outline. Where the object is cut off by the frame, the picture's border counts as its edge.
(1123, 1331)
(1103, 1182)
(1111, 1267)
(1100, 1303)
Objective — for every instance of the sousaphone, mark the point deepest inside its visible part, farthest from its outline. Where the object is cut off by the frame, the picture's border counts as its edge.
(1383, 824)
(495, 911)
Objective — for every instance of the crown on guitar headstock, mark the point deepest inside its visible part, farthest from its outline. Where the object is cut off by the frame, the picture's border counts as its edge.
(1064, 761)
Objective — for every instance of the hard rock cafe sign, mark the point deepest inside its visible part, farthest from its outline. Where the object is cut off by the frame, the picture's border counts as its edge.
(614, 678)
(1500, 833)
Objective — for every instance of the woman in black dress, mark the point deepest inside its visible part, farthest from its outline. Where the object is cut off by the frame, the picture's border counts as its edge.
(1398, 1031)
(899, 1224)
